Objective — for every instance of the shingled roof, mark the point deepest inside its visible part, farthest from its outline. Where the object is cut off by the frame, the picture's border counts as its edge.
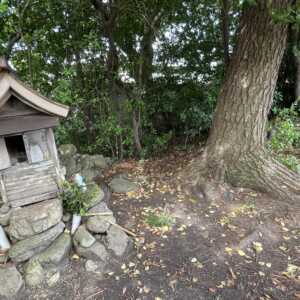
(10, 85)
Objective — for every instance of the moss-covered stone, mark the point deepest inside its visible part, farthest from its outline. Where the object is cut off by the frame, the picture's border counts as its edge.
(95, 195)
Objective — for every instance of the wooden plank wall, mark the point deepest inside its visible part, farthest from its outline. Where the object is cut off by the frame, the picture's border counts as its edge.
(30, 183)
(26, 123)
(17, 117)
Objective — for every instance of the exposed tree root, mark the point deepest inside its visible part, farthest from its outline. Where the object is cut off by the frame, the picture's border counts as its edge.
(262, 172)
(257, 171)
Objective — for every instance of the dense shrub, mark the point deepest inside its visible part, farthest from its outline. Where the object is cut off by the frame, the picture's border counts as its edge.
(285, 137)
(168, 110)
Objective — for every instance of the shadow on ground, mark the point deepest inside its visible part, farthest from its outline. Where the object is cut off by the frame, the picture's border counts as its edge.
(244, 247)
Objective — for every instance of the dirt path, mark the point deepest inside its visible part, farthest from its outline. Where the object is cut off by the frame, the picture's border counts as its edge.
(244, 246)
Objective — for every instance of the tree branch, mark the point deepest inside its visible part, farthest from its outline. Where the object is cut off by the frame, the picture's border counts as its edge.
(99, 5)
(15, 37)
(12, 41)
(156, 19)
(24, 9)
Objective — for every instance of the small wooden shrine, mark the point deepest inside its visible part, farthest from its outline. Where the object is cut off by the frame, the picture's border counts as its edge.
(29, 166)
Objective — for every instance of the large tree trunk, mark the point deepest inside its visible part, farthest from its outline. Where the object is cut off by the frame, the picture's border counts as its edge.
(235, 151)
(109, 12)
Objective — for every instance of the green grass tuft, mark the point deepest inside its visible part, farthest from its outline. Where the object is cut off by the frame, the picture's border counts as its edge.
(159, 219)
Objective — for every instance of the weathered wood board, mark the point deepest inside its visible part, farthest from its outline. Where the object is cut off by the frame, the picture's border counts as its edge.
(29, 184)
(29, 164)
(15, 107)
(26, 123)
(36, 146)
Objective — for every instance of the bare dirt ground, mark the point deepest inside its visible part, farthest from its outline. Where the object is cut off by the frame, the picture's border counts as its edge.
(244, 246)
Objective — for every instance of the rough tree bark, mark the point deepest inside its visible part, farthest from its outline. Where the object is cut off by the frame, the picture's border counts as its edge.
(143, 61)
(109, 12)
(235, 151)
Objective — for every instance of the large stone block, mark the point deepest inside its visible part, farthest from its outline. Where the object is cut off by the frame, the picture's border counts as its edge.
(11, 282)
(100, 223)
(34, 273)
(34, 219)
(96, 252)
(96, 195)
(121, 184)
(25, 249)
(68, 158)
(57, 253)
(48, 261)
(5, 213)
(67, 150)
(83, 237)
(118, 241)
(100, 162)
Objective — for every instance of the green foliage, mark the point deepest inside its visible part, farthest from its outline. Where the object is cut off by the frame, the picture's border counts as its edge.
(63, 53)
(3, 7)
(249, 2)
(156, 143)
(63, 90)
(286, 136)
(197, 116)
(65, 58)
(110, 135)
(184, 108)
(162, 219)
(277, 102)
(289, 161)
(290, 15)
(74, 199)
